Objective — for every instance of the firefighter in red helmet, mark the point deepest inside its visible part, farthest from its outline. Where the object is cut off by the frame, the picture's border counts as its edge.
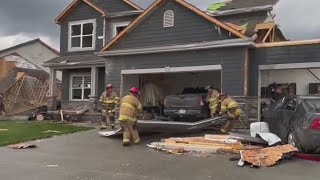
(108, 100)
(129, 109)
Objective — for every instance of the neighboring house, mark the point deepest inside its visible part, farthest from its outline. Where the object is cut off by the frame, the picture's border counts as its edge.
(30, 55)
(171, 44)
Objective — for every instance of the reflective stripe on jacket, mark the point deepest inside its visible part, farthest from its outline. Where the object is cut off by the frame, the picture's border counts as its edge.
(111, 99)
(228, 104)
(129, 108)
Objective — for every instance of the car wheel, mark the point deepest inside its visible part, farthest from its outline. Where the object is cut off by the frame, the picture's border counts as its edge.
(293, 140)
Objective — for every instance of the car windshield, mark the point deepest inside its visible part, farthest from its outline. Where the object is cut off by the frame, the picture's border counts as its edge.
(314, 103)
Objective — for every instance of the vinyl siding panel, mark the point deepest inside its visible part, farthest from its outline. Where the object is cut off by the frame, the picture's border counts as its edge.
(231, 60)
(279, 55)
(188, 28)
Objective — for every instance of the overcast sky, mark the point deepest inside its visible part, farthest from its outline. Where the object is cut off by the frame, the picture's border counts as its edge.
(23, 20)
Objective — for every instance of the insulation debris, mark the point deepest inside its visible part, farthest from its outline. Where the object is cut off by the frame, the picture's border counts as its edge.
(199, 145)
(266, 157)
(216, 6)
(22, 146)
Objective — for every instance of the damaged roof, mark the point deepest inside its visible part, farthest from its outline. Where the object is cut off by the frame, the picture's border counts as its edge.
(234, 4)
(238, 4)
(7, 82)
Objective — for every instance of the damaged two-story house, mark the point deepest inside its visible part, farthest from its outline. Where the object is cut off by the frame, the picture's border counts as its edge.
(169, 48)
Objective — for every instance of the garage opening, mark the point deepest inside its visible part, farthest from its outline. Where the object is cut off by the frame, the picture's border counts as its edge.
(293, 81)
(174, 95)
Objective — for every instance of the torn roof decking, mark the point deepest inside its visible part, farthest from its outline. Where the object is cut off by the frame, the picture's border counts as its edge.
(10, 79)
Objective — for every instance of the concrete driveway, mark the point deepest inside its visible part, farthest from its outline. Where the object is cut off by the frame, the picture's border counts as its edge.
(88, 156)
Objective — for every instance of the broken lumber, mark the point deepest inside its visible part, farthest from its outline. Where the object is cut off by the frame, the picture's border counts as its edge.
(266, 157)
(199, 145)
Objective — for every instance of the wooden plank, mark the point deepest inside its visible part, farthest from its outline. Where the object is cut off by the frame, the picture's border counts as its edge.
(288, 43)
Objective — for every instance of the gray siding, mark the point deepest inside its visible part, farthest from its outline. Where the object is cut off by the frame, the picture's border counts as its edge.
(82, 12)
(112, 6)
(279, 55)
(188, 27)
(109, 25)
(231, 59)
(240, 19)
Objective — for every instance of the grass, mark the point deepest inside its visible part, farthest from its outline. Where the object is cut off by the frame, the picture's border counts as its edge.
(16, 132)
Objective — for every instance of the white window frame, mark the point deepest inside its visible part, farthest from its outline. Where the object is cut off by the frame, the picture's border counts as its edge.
(165, 18)
(82, 88)
(118, 24)
(72, 49)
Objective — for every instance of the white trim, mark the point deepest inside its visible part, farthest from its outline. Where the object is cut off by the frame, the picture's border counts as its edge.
(172, 69)
(94, 22)
(71, 88)
(118, 24)
(168, 19)
(290, 66)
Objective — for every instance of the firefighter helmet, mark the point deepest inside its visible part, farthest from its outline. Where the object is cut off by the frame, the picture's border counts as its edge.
(134, 90)
(109, 86)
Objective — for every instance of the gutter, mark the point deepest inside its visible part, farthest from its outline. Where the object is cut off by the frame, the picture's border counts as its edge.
(124, 14)
(73, 64)
(179, 48)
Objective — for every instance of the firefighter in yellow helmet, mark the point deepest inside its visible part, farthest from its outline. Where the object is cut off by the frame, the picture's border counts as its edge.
(231, 108)
(213, 99)
(129, 109)
(109, 100)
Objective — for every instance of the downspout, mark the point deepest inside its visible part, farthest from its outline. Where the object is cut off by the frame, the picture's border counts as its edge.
(246, 68)
(104, 31)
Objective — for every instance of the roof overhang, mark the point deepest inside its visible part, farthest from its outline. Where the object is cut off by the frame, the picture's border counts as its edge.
(241, 11)
(181, 47)
(73, 4)
(74, 65)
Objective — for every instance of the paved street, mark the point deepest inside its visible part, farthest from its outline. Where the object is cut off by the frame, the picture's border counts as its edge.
(88, 156)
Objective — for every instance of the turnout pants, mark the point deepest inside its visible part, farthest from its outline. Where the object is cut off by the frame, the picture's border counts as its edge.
(130, 132)
(233, 115)
(108, 114)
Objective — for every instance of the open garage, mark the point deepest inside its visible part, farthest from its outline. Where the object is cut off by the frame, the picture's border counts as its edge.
(158, 83)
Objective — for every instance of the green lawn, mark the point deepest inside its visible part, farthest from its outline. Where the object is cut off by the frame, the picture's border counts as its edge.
(16, 132)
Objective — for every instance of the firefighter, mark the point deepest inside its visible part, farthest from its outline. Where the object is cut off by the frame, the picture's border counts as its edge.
(109, 101)
(129, 109)
(231, 108)
(213, 99)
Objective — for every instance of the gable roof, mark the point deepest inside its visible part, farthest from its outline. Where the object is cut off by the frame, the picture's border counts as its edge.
(181, 2)
(27, 43)
(96, 7)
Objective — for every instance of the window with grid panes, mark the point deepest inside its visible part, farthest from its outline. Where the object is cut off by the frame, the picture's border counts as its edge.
(80, 87)
(82, 35)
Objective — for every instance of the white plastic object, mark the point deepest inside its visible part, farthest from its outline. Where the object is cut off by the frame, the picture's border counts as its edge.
(259, 127)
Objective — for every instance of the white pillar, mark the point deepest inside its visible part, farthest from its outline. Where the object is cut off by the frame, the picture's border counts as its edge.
(94, 81)
(52, 90)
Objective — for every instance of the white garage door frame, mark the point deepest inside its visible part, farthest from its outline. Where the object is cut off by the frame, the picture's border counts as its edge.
(308, 65)
(169, 69)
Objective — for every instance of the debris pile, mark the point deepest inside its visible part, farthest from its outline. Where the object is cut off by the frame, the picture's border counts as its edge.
(197, 145)
(266, 156)
(249, 149)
